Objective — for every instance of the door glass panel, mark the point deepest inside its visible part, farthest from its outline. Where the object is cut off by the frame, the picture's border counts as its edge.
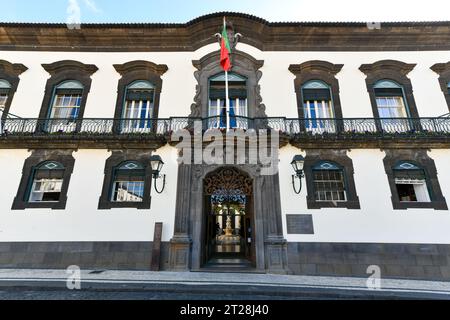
(237, 94)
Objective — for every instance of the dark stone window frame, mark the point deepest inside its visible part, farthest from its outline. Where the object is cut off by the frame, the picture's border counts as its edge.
(340, 158)
(10, 72)
(244, 65)
(134, 71)
(60, 72)
(117, 158)
(323, 71)
(421, 159)
(390, 70)
(443, 70)
(37, 157)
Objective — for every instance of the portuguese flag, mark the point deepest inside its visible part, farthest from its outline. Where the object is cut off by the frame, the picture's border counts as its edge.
(225, 49)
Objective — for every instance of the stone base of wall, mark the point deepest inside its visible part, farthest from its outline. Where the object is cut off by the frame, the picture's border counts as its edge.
(409, 261)
(86, 255)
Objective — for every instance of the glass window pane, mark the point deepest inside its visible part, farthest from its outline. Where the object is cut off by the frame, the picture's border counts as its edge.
(45, 190)
(329, 185)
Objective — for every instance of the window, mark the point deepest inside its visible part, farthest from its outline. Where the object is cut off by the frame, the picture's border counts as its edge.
(138, 96)
(318, 100)
(390, 99)
(391, 95)
(128, 183)
(5, 86)
(66, 100)
(47, 182)
(410, 181)
(138, 107)
(329, 179)
(9, 81)
(329, 182)
(237, 94)
(65, 106)
(448, 88)
(391, 104)
(318, 104)
(65, 96)
(413, 183)
(45, 179)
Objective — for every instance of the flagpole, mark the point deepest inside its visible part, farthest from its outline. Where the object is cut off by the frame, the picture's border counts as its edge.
(227, 101)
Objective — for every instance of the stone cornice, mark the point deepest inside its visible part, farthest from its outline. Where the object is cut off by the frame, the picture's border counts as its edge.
(12, 68)
(141, 65)
(387, 65)
(441, 68)
(65, 65)
(315, 65)
(264, 35)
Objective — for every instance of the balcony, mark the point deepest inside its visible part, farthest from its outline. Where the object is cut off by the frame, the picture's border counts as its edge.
(297, 131)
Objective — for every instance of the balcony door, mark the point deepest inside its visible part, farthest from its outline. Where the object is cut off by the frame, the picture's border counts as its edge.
(138, 107)
(237, 94)
(65, 107)
(318, 107)
(391, 105)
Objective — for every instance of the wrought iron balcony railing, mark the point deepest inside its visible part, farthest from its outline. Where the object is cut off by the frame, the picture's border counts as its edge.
(291, 126)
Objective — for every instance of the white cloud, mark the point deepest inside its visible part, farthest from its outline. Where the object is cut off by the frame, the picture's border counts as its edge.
(73, 15)
(91, 5)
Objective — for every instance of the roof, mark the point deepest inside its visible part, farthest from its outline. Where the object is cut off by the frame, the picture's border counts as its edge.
(229, 14)
(258, 32)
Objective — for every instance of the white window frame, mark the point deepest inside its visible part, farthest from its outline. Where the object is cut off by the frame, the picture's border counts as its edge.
(44, 188)
(420, 189)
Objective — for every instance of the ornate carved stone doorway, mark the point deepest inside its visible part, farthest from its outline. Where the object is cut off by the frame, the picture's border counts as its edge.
(187, 249)
(228, 210)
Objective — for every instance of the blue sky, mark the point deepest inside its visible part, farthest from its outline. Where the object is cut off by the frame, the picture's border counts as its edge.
(185, 10)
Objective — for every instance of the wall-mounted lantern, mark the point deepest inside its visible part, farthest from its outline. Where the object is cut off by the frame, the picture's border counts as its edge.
(157, 164)
(297, 163)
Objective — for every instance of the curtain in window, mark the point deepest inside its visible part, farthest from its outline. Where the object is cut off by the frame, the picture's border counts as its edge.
(137, 115)
(317, 105)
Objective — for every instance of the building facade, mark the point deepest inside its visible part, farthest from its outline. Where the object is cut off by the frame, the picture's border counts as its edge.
(84, 112)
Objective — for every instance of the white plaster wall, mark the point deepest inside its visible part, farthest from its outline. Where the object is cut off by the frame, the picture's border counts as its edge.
(376, 221)
(81, 221)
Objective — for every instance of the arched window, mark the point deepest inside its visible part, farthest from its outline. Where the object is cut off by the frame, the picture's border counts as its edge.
(329, 182)
(128, 182)
(317, 104)
(237, 95)
(138, 109)
(390, 99)
(46, 183)
(66, 100)
(5, 86)
(410, 182)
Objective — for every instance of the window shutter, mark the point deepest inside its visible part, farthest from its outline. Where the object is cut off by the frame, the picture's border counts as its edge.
(316, 94)
(130, 175)
(409, 174)
(49, 174)
(388, 92)
(139, 95)
(69, 91)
